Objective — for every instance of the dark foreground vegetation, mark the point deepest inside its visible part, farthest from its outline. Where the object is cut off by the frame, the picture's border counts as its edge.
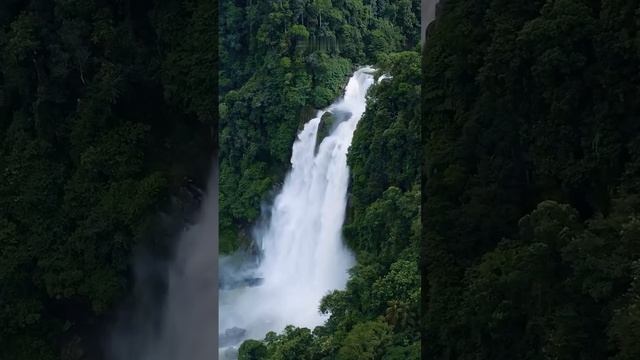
(532, 150)
(107, 110)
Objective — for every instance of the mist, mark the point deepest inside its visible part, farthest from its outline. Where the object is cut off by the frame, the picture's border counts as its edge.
(173, 314)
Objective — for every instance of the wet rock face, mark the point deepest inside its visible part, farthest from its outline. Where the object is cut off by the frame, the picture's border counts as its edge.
(239, 270)
(229, 284)
(231, 336)
(328, 122)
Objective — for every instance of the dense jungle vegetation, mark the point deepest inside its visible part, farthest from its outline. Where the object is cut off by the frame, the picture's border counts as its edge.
(532, 150)
(377, 316)
(280, 60)
(107, 112)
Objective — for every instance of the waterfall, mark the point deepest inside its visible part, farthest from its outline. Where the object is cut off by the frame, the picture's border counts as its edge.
(303, 255)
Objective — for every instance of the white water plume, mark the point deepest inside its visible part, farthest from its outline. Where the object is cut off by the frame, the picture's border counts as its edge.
(303, 255)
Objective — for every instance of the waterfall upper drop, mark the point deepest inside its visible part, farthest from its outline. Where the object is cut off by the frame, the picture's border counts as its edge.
(303, 255)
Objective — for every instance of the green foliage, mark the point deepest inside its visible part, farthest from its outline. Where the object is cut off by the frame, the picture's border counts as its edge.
(279, 61)
(386, 144)
(531, 180)
(292, 344)
(375, 232)
(252, 350)
(366, 341)
(106, 107)
(377, 315)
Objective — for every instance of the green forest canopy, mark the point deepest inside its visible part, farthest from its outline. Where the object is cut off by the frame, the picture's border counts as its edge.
(281, 60)
(532, 157)
(107, 108)
(531, 148)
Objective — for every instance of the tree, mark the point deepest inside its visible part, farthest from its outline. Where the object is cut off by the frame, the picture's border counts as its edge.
(366, 341)
(252, 350)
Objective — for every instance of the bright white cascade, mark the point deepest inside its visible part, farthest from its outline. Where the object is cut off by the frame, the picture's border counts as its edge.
(304, 257)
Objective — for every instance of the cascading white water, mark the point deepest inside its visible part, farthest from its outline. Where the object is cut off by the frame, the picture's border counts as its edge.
(304, 257)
